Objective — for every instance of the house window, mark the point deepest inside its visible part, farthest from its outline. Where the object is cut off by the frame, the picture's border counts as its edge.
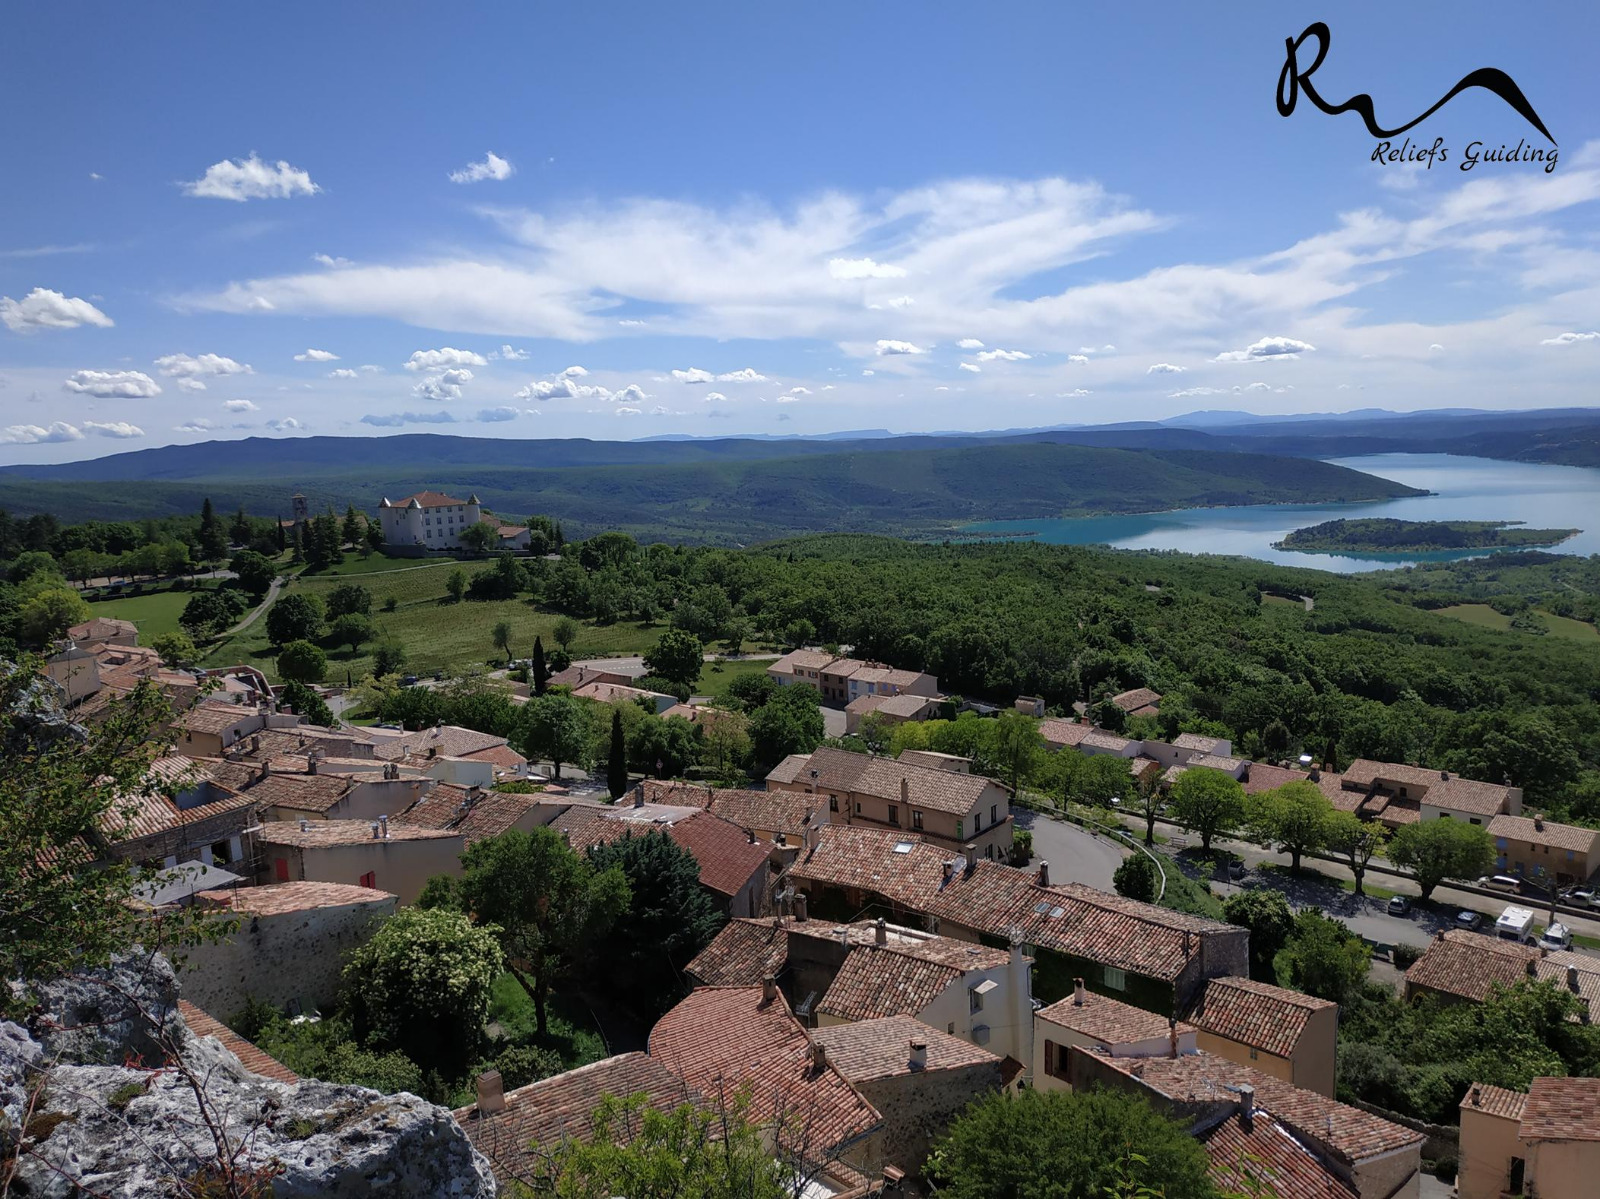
(833, 803)
(858, 807)
(1115, 979)
(958, 830)
(994, 813)
(1254, 1053)
(370, 879)
(219, 853)
(894, 814)
(974, 1001)
(916, 822)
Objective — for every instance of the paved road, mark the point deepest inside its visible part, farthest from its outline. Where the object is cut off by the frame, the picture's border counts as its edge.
(1075, 855)
(266, 602)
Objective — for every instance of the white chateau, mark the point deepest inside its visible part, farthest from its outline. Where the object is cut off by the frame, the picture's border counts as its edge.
(428, 518)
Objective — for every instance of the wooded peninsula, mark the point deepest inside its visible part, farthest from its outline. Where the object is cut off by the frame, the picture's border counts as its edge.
(1389, 536)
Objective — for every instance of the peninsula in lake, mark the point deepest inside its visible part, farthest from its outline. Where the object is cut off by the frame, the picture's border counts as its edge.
(1381, 535)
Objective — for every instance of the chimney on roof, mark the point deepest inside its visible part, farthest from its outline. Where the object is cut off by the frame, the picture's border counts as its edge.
(919, 1055)
(819, 1056)
(971, 848)
(950, 867)
(1476, 1095)
(1044, 873)
(800, 907)
(1077, 992)
(1572, 979)
(1538, 823)
(881, 931)
(374, 830)
(1172, 1036)
(750, 834)
(383, 825)
(769, 987)
(1247, 1105)
(905, 791)
(1533, 967)
(266, 767)
(255, 744)
(638, 796)
(311, 764)
(491, 1093)
(1316, 775)
(305, 825)
(1444, 774)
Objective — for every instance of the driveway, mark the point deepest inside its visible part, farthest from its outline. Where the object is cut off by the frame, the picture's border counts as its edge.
(1075, 854)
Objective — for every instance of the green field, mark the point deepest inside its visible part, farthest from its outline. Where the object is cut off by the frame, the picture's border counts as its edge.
(377, 563)
(155, 613)
(717, 677)
(1486, 617)
(1283, 600)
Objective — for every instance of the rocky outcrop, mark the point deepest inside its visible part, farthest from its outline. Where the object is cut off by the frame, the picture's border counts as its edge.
(107, 1091)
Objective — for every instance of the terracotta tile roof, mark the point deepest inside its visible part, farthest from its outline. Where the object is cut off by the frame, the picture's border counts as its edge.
(102, 628)
(907, 707)
(250, 1056)
(1196, 741)
(584, 825)
(872, 1049)
(1109, 1021)
(926, 787)
(1496, 1101)
(429, 499)
(1064, 732)
(894, 676)
(322, 834)
(1258, 1014)
(802, 659)
(1098, 739)
(1265, 777)
(1071, 918)
(301, 792)
(876, 982)
(474, 813)
(1562, 1109)
(742, 954)
(1556, 836)
(689, 795)
(730, 1037)
(943, 951)
(577, 676)
(1470, 965)
(216, 719)
(132, 817)
(1349, 1133)
(1441, 788)
(277, 899)
(791, 769)
(1268, 1151)
(449, 741)
(727, 857)
(1139, 697)
(546, 1112)
(787, 812)
(611, 693)
(843, 668)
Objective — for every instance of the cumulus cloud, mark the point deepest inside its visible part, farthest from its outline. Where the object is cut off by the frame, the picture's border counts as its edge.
(42, 308)
(122, 385)
(372, 368)
(629, 411)
(251, 179)
(492, 167)
(969, 343)
(239, 405)
(187, 366)
(1567, 339)
(799, 391)
(1075, 393)
(343, 372)
(1164, 368)
(446, 385)
(505, 412)
(1078, 358)
(1266, 349)
(1258, 386)
(868, 372)
(394, 419)
(863, 268)
(632, 393)
(189, 384)
(712, 397)
(887, 346)
(119, 429)
(427, 360)
(197, 424)
(1003, 356)
(746, 375)
(693, 375)
(509, 354)
(331, 260)
(573, 372)
(30, 434)
(559, 388)
(284, 424)
(973, 367)
(1436, 348)
(317, 356)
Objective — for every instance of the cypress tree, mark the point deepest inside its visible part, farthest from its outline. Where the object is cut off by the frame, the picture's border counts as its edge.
(541, 672)
(213, 542)
(617, 766)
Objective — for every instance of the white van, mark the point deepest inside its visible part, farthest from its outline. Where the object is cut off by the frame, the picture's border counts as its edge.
(1557, 936)
(1515, 924)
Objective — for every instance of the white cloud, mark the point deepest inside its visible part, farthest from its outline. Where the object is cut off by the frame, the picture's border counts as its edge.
(868, 373)
(1077, 358)
(1567, 339)
(196, 424)
(1258, 386)
(372, 368)
(492, 167)
(251, 179)
(119, 429)
(330, 260)
(632, 393)
(573, 372)
(187, 366)
(1075, 393)
(712, 397)
(505, 412)
(239, 405)
(629, 323)
(1267, 349)
(284, 424)
(693, 375)
(42, 308)
(317, 356)
(969, 343)
(1164, 368)
(901, 302)
(427, 360)
(1436, 348)
(446, 385)
(394, 419)
(890, 347)
(863, 268)
(799, 391)
(185, 383)
(975, 369)
(123, 385)
(343, 372)
(747, 374)
(30, 434)
(1191, 392)
(1003, 356)
(509, 354)
(562, 388)
(629, 411)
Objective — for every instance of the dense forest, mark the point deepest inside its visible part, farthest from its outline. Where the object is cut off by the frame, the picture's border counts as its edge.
(1387, 535)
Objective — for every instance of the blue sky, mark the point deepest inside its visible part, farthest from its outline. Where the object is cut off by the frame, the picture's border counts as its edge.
(710, 219)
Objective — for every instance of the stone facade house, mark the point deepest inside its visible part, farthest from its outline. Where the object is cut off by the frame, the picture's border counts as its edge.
(428, 519)
(1545, 1142)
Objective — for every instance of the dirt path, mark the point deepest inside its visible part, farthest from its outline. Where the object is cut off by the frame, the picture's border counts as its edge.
(250, 616)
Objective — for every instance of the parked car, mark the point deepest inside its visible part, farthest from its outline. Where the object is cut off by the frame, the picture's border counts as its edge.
(1235, 868)
(1466, 919)
(409, 681)
(1557, 936)
(1578, 895)
(1399, 905)
(1501, 882)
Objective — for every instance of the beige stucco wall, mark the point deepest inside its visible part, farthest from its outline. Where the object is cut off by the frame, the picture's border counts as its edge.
(1488, 1143)
(1564, 1169)
(1522, 857)
(1007, 1010)
(1049, 1032)
(274, 959)
(400, 867)
(945, 828)
(1312, 1067)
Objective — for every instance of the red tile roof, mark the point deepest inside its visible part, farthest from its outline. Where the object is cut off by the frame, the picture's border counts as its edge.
(1545, 832)
(1562, 1109)
(250, 1056)
(1495, 1101)
(317, 793)
(277, 899)
(726, 1038)
(742, 954)
(1140, 697)
(321, 834)
(1267, 1151)
(1110, 1021)
(1469, 965)
(134, 816)
(1258, 1014)
(925, 786)
(429, 499)
(1064, 732)
(726, 855)
(787, 812)
(875, 982)
(500, 756)
(872, 1049)
(474, 813)
(1439, 787)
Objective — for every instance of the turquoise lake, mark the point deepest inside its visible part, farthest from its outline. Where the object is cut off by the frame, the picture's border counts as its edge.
(1542, 497)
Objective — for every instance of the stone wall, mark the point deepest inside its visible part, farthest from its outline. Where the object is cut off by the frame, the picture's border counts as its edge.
(276, 958)
(917, 1108)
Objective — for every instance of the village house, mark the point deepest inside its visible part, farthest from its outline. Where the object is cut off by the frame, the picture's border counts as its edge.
(918, 1078)
(1544, 1142)
(103, 630)
(1396, 795)
(784, 819)
(1287, 1034)
(722, 1040)
(429, 519)
(298, 788)
(1466, 967)
(183, 816)
(427, 748)
(289, 948)
(382, 855)
(841, 680)
(890, 709)
(1141, 701)
(1302, 1143)
(209, 729)
(613, 693)
(1150, 956)
(473, 812)
(577, 676)
(941, 806)
(1543, 850)
(1092, 1021)
(1029, 705)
